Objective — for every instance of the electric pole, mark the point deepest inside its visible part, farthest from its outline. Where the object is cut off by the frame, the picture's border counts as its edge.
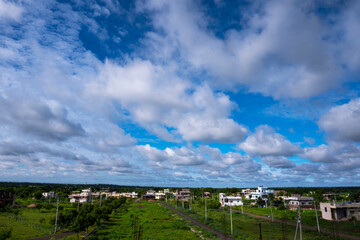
(100, 199)
(57, 214)
(272, 217)
(205, 210)
(231, 223)
(298, 226)
(317, 219)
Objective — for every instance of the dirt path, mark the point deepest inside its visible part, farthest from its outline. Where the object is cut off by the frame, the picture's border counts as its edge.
(324, 230)
(56, 236)
(198, 223)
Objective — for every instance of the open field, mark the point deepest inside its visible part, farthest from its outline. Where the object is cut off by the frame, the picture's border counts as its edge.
(152, 220)
(19, 230)
(246, 227)
(308, 217)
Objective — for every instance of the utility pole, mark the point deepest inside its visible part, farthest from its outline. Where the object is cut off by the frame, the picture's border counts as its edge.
(205, 210)
(100, 199)
(242, 209)
(57, 214)
(260, 238)
(272, 217)
(317, 219)
(190, 204)
(298, 226)
(78, 204)
(231, 224)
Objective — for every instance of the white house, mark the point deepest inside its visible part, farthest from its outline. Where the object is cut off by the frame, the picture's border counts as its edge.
(159, 195)
(261, 192)
(230, 200)
(49, 195)
(299, 201)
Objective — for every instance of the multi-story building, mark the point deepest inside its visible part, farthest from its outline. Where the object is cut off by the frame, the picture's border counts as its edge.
(296, 201)
(230, 200)
(84, 196)
(340, 211)
(183, 195)
(159, 195)
(261, 192)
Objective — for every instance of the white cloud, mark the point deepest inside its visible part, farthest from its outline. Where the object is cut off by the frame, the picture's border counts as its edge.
(158, 99)
(342, 122)
(320, 153)
(10, 10)
(284, 49)
(266, 142)
(174, 156)
(278, 162)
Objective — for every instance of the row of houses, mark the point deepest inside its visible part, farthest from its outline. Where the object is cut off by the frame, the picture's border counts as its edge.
(86, 195)
(180, 195)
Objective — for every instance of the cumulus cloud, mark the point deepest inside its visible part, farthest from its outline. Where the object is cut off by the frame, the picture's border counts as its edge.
(175, 156)
(39, 119)
(284, 48)
(158, 99)
(278, 162)
(266, 142)
(342, 122)
(320, 153)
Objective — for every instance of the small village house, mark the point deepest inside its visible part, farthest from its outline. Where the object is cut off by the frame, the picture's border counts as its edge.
(230, 200)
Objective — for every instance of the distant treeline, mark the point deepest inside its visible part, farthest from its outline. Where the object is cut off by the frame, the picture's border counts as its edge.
(28, 189)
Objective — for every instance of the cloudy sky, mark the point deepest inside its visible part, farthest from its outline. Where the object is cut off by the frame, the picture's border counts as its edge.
(180, 93)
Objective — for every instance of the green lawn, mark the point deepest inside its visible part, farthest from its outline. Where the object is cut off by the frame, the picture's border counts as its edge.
(246, 227)
(307, 217)
(19, 230)
(156, 221)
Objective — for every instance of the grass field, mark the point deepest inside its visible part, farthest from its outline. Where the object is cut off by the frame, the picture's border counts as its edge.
(246, 227)
(156, 222)
(308, 217)
(19, 231)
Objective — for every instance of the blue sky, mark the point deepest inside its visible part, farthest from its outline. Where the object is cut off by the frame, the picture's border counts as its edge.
(180, 93)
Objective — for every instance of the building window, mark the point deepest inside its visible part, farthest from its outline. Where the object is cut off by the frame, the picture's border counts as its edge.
(325, 209)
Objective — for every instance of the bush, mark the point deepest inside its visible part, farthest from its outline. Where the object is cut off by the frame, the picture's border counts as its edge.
(5, 233)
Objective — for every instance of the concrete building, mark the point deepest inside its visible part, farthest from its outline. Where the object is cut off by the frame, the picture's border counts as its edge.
(49, 195)
(261, 192)
(84, 196)
(340, 211)
(304, 202)
(183, 195)
(230, 200)
(159, 195)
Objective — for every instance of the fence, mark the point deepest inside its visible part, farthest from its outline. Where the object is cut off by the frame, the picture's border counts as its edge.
(27, 222)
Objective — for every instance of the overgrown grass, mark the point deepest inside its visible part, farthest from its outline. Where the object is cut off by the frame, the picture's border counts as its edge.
(19, 231)
(156, 222)
(246, 227)
(308, 217)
